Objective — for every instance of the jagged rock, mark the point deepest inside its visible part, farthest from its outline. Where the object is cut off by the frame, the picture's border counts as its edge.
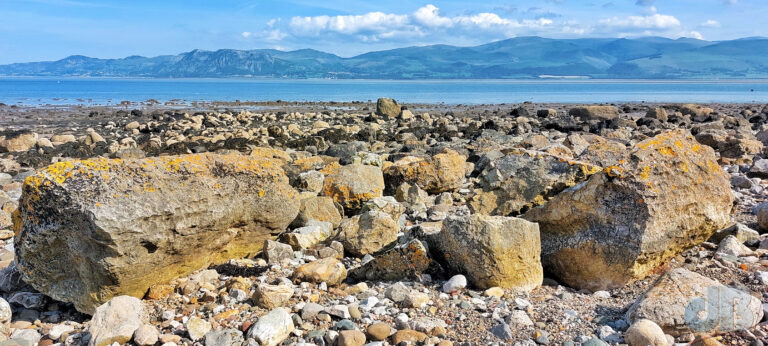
(657, 113)
(310, 235)
(197, 328)
(595, 112)
(743, 233)
(404, 262)
(696, 110)
(439, 173)
(272, 328)
(116, 320)
(492, 250)
(387, 108)
(275, 252)
(319, 208)
(668, 195)
(386, 204)
(329, 270)
(90, 230)
(226, 337)
(523, 179)
(272, 296)
(677, 299)
(368, 233)
(353, 185)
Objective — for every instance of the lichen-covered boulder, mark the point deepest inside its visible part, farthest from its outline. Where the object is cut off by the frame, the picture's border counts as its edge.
(523, 179)
(667, 195)
(442, 172)
(90, 230)
(492, 251)
(353, 185)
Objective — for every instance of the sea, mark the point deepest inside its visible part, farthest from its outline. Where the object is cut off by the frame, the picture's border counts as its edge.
(112, 91)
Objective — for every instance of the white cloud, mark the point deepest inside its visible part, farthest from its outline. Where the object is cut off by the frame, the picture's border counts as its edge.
(654, 21)
(711, 23)
(696, 35)
(425, 21)
(246, 34)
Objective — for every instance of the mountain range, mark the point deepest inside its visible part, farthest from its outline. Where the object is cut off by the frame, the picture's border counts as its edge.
(521, 57)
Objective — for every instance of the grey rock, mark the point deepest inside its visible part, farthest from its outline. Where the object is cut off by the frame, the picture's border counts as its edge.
(225, 337)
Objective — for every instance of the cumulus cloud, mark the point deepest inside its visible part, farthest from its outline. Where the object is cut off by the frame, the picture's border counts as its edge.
(653, 21)
(425, 21)
(427, 25)
(711, 23)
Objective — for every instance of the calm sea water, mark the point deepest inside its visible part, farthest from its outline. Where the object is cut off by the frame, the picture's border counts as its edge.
(33, 91)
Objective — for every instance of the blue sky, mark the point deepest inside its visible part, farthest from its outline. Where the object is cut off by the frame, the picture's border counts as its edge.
(34, 30)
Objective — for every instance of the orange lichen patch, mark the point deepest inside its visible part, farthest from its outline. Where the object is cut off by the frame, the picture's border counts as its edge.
(613, 171)
(666, 151)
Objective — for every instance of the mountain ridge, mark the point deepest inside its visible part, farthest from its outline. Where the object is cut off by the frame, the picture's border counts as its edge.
(527, 57)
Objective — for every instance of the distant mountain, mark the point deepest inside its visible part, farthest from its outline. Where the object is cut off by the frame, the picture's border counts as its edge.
(522, 57)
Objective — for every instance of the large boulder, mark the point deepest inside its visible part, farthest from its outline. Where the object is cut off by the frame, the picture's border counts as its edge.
(682, 302)
(353, 185)
(492, 251)
(595, 112)
(523, 179)
(439, 173)
(666, 196)
(18, 142)
(90, 230)
(387, 108)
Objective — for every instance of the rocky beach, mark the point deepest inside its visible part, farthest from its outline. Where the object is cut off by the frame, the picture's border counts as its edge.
(379, 223)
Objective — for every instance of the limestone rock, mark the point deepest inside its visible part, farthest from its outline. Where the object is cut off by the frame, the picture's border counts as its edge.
(353, 185)
(197, 328)
(90, 230)
(442, 172)
(645, 333)
(387, 108)
(319, 208)
(668, 195)
(116, 320)
(226, 337)
(367, 233)
(595, 112)
(310, 235)
(18, 142)
(677, 299)
(272, 296)
(404, 262)
(523, 179)
(5, 319)
(275, 252)
(272, 328)
(146, 335)
(492, 250)
(762, 215)
(329, 270)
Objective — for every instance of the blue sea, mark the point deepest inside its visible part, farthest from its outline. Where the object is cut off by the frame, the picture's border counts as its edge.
(106, 91)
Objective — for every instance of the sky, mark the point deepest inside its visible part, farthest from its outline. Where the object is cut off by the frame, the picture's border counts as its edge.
(44, 30)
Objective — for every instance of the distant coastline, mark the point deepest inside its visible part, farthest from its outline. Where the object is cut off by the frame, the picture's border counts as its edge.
(521, 58)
